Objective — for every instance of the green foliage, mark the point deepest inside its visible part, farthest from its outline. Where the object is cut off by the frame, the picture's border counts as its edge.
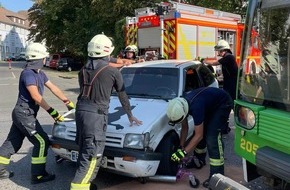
(67, 25)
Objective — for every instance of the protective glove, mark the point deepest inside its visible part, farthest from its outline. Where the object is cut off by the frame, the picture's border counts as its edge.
(70, 105)
(178, 155)
(55, 115)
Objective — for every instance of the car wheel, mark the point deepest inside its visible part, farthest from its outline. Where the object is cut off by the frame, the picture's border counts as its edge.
(69, 69)
(167, 147)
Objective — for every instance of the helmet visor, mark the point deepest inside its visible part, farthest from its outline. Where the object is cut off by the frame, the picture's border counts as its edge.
(129, 49)
(172, 123)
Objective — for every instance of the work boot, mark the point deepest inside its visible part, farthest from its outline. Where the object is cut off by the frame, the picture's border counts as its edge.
(4, 174)
(195, 163)
(42, 178)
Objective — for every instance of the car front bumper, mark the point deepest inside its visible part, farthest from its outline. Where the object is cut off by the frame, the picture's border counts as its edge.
(124, 161)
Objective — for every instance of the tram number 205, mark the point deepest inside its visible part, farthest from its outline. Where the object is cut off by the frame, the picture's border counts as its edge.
(248, 146)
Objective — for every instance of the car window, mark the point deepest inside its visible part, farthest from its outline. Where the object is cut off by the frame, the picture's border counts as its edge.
(151, 82)
(198, 76)
(191, 79)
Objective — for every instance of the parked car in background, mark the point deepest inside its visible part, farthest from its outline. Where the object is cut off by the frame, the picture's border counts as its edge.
(20, 57)
(69, 64)
(10, 58)
(139, 151)
(54, 61)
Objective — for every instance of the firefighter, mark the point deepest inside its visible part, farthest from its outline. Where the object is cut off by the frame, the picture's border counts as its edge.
(131, 53)
(25, 124)
(96, 79)
(210, 108)
(229, 70)
(229, 66)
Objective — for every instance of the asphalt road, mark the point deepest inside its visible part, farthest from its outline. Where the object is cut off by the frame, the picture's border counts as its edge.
(20, 162)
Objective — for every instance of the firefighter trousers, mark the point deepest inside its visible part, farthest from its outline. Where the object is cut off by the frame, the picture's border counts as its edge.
(212, 141)
(24, 125)
(91, 128)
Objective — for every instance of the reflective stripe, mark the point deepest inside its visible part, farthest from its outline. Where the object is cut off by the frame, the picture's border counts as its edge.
(38, 160)
(42, 145)
(221, 151)
(4, 160)
(200, 151)
(216, 162)
(75, 186)
(41, 159)
(90, 171)
(220, 161)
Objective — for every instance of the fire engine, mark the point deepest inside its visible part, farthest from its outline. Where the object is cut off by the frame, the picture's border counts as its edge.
(174, 30)
(182, 31)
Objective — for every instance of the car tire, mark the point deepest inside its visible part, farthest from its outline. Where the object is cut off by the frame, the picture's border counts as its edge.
(167, 147)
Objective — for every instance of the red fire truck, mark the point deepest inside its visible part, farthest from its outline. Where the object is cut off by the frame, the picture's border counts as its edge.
(175, 30)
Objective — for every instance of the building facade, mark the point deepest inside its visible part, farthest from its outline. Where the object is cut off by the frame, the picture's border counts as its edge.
(14, 30)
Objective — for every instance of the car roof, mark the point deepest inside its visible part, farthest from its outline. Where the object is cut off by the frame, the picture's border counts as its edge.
(172, 63)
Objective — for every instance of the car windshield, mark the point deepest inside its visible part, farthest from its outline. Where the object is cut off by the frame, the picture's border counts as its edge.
(160, 83)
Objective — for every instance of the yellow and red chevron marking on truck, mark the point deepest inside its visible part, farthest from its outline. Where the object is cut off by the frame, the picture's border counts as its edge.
(169, 39)
(131, 34)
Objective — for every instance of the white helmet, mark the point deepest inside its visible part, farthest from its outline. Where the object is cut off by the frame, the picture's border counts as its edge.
(35, 51)
(177, 110)
(131, 48)
(222, 45)
(100, 46)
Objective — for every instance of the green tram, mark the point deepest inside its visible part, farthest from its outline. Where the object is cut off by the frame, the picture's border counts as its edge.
(262, 106)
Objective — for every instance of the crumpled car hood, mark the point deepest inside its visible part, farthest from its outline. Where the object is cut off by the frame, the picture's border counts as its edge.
(149, 111)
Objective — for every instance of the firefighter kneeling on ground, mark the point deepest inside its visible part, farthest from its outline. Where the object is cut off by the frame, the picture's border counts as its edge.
(210, 108)
(96, 79)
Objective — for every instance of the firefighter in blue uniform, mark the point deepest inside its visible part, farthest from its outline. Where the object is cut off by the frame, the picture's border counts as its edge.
(210, 108)
(25, 124)
(96, 79)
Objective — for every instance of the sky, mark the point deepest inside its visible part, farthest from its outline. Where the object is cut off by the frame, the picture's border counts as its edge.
(16, 5)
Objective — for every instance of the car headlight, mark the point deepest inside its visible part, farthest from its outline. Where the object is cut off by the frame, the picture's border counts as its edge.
(137, 141)
(59, 131)
(245, 117)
